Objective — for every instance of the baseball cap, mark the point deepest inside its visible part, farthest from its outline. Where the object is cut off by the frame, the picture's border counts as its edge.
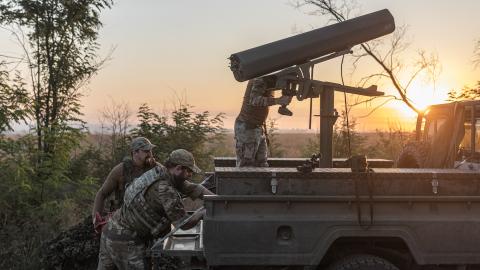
(141, 143)
(184, 158)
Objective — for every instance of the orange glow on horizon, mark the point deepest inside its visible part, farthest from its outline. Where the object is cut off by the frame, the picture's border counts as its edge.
(421, 96)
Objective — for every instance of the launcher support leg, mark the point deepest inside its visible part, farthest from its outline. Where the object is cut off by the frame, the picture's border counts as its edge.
(327, 120)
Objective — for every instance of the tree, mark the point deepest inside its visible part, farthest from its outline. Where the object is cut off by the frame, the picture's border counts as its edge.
(13, 100)
(115, 121)
(275, 148)
(59, 40)
(387, 56)
(183, 129)
(388, 144)
(107, 149)
(466, 93)
(346, 141)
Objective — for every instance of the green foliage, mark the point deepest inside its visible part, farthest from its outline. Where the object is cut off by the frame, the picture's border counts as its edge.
(466, 93)
(60, 50)
(183, 129)
(345, 137)
(13, 100)
(36, 170)
(86, 163)
(340, 141)
(388, 144)
(114, 139)
(31, 210)
(16, 172)
(275, 148)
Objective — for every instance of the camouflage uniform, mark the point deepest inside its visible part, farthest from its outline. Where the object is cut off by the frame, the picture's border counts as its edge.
(120, 177)
(152, 203)
(123, 173)
(250, 141)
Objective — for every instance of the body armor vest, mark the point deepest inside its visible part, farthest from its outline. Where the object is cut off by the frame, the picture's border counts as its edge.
(254, 116)
(146, 219)
(115, 201)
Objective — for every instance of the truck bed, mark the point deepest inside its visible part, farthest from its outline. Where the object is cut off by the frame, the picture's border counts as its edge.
(435, 213)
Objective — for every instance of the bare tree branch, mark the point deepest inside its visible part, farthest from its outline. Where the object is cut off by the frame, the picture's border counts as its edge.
(388, 60)
(370, 99)
(378, 107)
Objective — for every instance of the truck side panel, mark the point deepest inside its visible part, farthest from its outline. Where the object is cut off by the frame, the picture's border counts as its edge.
(435, 212)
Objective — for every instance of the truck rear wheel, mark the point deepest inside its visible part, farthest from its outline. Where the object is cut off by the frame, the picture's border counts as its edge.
(362, 262)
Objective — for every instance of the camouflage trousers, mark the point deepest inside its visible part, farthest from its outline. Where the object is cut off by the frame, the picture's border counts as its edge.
(250, 146)
(119, 249)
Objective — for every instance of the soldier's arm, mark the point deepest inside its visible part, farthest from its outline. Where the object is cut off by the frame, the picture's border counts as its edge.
(173, 207)
(257, 96)
(194, 191)
(194, 220)
(107, 188)
(172, 203)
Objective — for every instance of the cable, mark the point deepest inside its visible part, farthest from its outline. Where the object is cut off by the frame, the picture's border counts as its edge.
(346, 109)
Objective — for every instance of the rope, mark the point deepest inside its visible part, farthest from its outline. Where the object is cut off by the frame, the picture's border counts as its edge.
(369, 174)
(346, 109)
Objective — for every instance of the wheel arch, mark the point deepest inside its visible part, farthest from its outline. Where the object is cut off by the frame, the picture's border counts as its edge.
(336, 236)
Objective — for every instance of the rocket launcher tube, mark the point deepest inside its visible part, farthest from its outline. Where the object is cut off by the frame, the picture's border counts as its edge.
(274, 56)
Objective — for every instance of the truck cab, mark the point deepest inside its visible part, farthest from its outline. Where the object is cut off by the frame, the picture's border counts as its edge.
(447, 136)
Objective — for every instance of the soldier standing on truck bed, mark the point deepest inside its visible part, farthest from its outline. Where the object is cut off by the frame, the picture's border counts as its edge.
(152, 204)
(250, 139)
(140, 161)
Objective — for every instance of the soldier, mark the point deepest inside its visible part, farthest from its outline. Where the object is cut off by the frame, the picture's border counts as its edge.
(140, 161)
(250, 140)
(151, 205)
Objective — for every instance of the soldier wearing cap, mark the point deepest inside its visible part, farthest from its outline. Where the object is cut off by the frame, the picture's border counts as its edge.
(152, 204)
(140, 160)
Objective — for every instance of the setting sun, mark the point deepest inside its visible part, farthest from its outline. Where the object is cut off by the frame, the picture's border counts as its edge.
(422, 96)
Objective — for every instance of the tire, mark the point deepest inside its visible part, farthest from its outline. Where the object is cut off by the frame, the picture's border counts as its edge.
(413, 155)
(362, 262)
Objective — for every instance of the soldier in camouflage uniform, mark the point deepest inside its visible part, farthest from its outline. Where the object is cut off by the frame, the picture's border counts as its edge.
(152, 204)
(140, 161)
(250, 140)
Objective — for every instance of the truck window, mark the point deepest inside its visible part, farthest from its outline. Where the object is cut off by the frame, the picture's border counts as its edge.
(466, 144)
(432, 127)
(477, 136)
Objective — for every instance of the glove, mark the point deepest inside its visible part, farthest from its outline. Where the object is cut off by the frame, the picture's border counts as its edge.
(99, 222)
(284, 100)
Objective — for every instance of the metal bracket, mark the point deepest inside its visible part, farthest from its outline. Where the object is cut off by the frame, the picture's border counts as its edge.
(435, 183)
(274, 183)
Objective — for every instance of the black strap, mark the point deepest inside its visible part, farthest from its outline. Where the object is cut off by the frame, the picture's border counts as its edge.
(369, 175)
(267, 139)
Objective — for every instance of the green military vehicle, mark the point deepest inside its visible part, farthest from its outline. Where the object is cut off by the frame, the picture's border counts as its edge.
(342, 218)
(332, 214)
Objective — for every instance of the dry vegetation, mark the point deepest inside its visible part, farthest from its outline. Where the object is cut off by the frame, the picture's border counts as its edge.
(296, 144)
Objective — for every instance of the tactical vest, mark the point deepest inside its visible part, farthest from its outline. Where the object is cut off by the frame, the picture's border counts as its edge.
(115, 201)
(254, 116)
(137, 212)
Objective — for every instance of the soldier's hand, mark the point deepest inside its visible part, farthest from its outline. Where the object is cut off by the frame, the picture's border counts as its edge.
(98, 223)
(284, 100)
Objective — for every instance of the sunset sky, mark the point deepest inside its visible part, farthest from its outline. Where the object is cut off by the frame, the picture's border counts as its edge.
(166, 49)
